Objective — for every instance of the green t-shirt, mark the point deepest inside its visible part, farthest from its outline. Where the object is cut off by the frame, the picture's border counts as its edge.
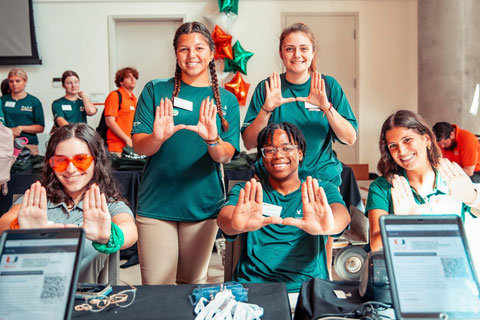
(181, 182)
(438, 200)
(319, 162)
(71, 111)
(2, 117)
(26, 111)
(279, 253)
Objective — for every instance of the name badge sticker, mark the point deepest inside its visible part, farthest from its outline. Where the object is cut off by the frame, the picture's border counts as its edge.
(271, 210)
(66, 107)
(10, 104)
(308, 105)
(183, 104)
(132, 108)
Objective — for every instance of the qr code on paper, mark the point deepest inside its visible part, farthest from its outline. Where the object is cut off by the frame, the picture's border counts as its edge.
(53, 287)
(454, 267)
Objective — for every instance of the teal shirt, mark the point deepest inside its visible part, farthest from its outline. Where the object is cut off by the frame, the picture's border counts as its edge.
(71, 111)
(181, 182)
(380, 197)
(26, 111)
(279, 253)
(319, 162)
(2, 117)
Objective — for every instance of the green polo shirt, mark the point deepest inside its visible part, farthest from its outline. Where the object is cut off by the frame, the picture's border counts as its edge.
(181, 182)
(58, 213)
(26, 111)
(71, 111)
(279, 253)
(319, 162)
(380, 197)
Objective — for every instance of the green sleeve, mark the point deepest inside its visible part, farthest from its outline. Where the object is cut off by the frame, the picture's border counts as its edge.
(145, 111)
(256, 103)
(38, 117)
(232, 115)
(232, 197)
(332, 193)
(2, 116)
(57, 110)
(340, 103)
(379, 196)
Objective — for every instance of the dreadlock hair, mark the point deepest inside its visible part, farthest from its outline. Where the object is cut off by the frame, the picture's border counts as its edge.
(197, 27)
(101, 175)
(300, 27)
(386, 166)
(295, 136)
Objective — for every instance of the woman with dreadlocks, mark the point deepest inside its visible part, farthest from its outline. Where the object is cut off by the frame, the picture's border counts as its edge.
(188, 127)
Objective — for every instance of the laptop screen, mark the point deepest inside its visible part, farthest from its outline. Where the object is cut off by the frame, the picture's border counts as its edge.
(429, 268)
(38, 273)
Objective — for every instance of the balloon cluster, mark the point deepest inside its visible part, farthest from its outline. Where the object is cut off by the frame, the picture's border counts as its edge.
(235, 57)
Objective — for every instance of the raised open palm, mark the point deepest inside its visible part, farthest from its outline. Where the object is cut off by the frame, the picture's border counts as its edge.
(248, 213)
(318, 94)
(96, 218)
(317, 215)
(206, 127)
(273, 93)
(33, 211)
(402, 198)
(163, 125)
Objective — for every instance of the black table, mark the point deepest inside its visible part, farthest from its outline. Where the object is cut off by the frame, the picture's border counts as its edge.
(129, 182)
(171, 302)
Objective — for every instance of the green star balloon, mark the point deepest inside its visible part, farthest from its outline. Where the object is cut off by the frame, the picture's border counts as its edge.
(239, 61)
(228, 6)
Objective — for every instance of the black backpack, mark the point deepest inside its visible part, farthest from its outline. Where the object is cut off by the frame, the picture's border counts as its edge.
(102, 125)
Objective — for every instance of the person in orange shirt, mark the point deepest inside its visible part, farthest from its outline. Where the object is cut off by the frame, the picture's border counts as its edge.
(119, 117)
(460, 146)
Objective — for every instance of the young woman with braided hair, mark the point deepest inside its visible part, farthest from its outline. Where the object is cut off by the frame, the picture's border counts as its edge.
(187, 138)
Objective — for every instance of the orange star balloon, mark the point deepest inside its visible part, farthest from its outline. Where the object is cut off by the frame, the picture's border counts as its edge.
(239, 88)
(223, 43)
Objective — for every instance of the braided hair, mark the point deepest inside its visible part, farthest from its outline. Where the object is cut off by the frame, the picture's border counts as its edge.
(295, 136)
(197, 27)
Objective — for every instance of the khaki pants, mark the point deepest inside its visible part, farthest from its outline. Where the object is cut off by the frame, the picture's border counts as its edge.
(33, 149)
(174, 252)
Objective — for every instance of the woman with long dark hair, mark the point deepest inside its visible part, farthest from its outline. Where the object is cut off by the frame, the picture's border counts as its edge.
(77, 189)
(188, 126)
(414, 178)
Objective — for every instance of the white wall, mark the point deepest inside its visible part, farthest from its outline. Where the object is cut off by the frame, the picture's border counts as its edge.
(74, 35)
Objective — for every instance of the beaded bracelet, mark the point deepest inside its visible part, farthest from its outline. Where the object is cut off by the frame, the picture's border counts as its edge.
(114, 243)
(212, 143)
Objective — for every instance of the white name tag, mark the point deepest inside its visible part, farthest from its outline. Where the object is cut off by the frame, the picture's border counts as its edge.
(66, 107)
(10, 104)
(308, 105)
(132, 108)
(183, 104)
(271, 210)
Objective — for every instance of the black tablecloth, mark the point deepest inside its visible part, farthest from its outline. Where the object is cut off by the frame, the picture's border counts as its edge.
(129, 182)
(171, 302)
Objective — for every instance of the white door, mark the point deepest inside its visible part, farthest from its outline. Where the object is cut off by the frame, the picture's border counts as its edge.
(145, 43)
(336, 43)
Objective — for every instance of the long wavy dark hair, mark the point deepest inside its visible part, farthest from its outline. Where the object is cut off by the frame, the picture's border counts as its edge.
(386, 166)
(197, 27)
(102, 172)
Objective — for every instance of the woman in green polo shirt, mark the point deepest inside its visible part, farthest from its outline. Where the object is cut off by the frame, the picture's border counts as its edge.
(23, 112)
(414, 178)
(75, 106)
(182, 191)
(300, 96)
